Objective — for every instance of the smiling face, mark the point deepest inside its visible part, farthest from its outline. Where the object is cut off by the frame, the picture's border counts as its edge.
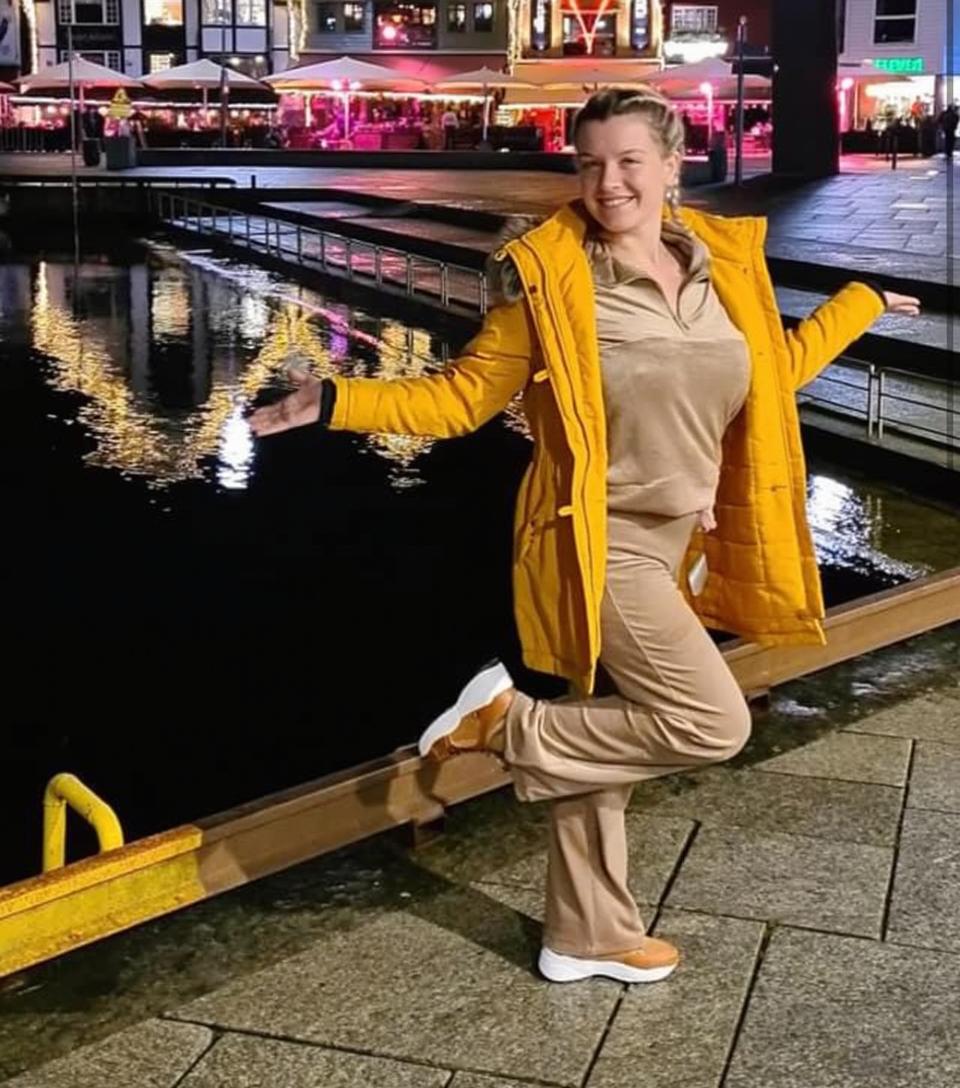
(624, 172)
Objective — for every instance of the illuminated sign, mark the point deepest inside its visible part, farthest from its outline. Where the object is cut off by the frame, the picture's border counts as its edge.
(901, 66)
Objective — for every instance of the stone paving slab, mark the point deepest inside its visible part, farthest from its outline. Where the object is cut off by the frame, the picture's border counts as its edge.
(654, 844)
(753, 800)
(838, 886)
(243, 1061)
(153, 1054)
(480, 1080)
(841, 1012)
(678, 1034)
(925, 907)
(879, 760)
(933, 716)
(935, 777)
(405, 986)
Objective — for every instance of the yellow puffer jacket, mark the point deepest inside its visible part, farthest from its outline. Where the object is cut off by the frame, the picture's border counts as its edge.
(763, 581)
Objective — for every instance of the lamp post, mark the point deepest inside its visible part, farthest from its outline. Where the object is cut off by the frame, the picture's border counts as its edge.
(224, 82)
(741, 41)
(706, 89)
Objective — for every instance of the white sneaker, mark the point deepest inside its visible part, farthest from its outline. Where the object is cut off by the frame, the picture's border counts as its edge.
(651, 962)
(480, 694)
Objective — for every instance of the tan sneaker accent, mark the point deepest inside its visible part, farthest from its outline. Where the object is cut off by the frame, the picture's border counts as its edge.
(652, 953)
(479, 731)
(652, 961)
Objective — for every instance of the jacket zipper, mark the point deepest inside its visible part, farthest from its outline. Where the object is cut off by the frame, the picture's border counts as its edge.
(586, 447)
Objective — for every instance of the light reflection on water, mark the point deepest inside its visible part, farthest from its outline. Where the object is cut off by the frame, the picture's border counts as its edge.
(169, 355)
(169, 351)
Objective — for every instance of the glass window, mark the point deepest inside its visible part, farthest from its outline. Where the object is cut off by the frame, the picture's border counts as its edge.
(217, 12)
(896, 21)
(457, 18)
(483, 18)
(163, 13)
(160, 62)
(405, 26)
(589, 32)
(251, 12)
(693, 18)
(89, 12)
(640, 24)
(353, 18)
(327, 18)
(540, 25)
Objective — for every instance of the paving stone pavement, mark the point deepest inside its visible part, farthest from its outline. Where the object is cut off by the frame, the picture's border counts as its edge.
(814, 893)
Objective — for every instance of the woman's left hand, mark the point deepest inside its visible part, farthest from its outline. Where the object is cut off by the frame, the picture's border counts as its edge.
(905, 305)
(705, 519)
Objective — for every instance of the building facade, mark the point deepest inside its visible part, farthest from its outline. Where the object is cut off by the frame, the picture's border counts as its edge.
(695, 31)
(916, 41)
(140, 37)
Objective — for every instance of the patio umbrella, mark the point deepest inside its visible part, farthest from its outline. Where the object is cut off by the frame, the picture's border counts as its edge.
(343, 75)
(686, 79)
(202, 75)
(86, 76)
(591, 76)
(484, 78)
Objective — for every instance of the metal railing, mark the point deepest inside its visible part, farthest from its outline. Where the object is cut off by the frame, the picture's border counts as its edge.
(416, 276)
(66, 790)
(885, 400)
(29, 140)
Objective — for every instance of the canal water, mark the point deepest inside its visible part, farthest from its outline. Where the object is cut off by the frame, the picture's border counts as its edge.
(195, 620)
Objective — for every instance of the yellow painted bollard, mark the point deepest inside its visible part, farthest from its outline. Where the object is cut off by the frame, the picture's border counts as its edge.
(66, 789)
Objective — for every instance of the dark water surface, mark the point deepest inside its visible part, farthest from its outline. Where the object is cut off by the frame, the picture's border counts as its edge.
(194, 620)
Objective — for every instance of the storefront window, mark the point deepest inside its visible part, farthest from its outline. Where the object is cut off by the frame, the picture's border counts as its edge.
(353, 18)
(896, 21)
(163, 12)
(327, 18)
(540, 25)
(160, 62)
(405, 26)
(589, 31)
(457, 18)
(693, 19)
(89, 12)
(483, 18)
(217, 12)
(251, 12)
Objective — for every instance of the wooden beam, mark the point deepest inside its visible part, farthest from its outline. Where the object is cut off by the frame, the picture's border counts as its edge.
(49, 915)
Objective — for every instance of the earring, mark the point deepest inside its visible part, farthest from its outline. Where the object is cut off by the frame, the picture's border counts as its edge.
(673, 200)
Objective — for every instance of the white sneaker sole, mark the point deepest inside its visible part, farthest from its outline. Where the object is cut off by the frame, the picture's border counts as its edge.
(480, 691)
(559, 968)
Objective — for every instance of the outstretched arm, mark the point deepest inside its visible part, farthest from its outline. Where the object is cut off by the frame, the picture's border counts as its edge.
(832, 327)
(494, 366)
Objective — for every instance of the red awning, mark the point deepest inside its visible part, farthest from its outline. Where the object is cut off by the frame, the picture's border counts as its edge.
(429, 67)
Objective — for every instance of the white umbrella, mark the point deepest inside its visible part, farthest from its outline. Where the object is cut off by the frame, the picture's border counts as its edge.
(592, 76)
(484, 78)
(684, 79)
(199, 75)
(86, 74)
(343, 75)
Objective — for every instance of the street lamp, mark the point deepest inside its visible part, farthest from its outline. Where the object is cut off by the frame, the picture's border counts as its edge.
(706, 89)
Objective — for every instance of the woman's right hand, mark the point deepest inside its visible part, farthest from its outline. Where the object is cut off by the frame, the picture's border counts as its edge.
(296, 410)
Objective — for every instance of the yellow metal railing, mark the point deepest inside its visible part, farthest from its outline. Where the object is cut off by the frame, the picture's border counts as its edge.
(66, 789)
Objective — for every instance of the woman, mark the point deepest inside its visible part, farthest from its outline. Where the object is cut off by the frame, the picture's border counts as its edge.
(659, 386)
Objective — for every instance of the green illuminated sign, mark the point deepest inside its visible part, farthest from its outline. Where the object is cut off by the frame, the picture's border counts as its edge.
(901, 66)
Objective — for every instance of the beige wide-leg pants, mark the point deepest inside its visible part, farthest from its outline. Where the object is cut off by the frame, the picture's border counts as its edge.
(677, 706)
